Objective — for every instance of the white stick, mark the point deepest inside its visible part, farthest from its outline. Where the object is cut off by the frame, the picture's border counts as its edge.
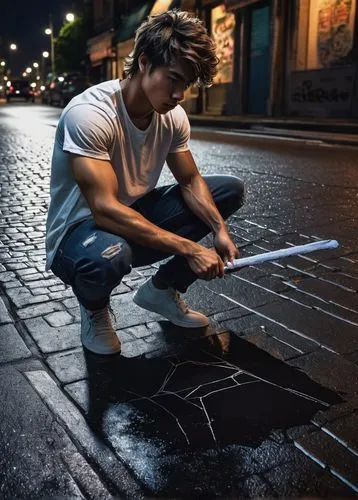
(279, 254)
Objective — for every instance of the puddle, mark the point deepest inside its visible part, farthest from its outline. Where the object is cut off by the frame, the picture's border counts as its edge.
(212, 398)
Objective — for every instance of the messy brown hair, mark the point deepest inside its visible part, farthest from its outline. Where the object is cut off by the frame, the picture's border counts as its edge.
(175, 35)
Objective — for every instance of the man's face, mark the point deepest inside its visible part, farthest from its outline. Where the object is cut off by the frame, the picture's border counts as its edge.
(164, 87)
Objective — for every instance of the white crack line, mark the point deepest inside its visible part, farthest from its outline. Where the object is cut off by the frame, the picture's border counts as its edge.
(297, 393)
(210, 383)
(166, 410)
(172, 372)
(208, 420)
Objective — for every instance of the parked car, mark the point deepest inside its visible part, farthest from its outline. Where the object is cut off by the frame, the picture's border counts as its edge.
(61, 90)
(20, 89)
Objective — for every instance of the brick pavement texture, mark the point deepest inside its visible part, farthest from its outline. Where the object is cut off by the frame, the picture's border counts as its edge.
(301, 312)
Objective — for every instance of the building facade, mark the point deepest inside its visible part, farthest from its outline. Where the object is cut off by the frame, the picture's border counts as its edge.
(100, 46)
(276, 57)
(114, 26)
(323, 76)
(283, 57)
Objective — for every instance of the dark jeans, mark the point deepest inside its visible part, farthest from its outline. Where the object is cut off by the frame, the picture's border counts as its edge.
(94, 261)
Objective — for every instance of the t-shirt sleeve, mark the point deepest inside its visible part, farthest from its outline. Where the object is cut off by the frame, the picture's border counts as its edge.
(88, 131)
(181, 132)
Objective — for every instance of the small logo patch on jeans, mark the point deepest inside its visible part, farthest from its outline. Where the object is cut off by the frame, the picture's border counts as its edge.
(111, 251)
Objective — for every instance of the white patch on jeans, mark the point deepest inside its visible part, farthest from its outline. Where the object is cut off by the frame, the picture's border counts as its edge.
(111, 251)
(91, 239)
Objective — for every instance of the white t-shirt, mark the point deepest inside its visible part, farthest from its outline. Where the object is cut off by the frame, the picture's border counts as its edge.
(96, 124)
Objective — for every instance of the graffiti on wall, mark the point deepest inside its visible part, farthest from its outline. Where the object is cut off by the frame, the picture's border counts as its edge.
(334, 27)
(324, 90)
(222, 29)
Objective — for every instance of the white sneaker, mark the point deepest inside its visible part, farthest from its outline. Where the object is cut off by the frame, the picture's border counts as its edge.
(169, 304)
(97, 332)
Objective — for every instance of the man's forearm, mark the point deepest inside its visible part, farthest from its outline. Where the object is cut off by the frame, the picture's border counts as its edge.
(130, 224)
(200, 201)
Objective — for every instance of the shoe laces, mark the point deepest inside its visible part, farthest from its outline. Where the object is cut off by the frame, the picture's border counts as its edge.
(180, 302)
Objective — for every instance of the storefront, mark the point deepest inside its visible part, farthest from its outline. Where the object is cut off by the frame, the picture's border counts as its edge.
(323, 80)
(243, 32)
(102, 57)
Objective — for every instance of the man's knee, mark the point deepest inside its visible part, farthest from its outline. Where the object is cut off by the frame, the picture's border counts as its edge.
(229, 194)
(116, 262)
(106, 269)
(236, 191)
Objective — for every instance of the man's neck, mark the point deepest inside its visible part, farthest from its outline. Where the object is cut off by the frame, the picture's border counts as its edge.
(135, 101)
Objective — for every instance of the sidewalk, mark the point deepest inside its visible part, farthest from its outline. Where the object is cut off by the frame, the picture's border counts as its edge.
(330, 130)
(264, 403)
(179, 405)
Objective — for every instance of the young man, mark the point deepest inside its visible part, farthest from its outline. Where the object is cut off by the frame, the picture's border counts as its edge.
(106, 215)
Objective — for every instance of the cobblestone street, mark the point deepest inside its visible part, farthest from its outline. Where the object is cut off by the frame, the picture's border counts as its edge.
(262, 403)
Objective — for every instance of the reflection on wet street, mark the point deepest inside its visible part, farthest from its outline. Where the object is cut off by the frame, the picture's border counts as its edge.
(215, 396)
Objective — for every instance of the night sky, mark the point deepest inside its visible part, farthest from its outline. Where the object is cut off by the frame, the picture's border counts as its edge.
(23, 22)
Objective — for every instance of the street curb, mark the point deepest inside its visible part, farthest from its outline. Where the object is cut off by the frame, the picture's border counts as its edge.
(265, 133)
(110, 468)
(305, 124)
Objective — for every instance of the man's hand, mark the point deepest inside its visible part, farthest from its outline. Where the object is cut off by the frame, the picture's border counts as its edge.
(225, 247)
(206, 263)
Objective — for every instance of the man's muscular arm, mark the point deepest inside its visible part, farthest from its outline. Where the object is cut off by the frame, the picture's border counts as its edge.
(99, 186)
(199, 199)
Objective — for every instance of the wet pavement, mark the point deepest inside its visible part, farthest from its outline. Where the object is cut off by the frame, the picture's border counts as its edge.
(264, 402)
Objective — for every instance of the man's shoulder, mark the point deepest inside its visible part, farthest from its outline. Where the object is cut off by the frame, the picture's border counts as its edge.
(104, 89)
(97, 101)
(101, 96)
(179, 112)
(176, 117)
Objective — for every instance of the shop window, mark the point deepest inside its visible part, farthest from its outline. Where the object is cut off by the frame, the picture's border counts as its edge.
(325, 33)
(222, 29)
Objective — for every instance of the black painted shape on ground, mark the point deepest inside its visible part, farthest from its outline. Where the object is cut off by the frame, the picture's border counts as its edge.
(212, 392)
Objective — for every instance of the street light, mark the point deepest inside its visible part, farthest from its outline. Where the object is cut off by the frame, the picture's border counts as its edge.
(28, 70)
(70, 17)
(49, 31)
(36, 66)
(45, 55)
(13, 48)
(2, 73)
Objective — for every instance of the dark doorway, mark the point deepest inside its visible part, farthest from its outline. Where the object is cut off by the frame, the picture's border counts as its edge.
(258, 81)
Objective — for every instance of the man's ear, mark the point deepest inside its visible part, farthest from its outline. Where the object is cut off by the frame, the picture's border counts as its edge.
(143, 63)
